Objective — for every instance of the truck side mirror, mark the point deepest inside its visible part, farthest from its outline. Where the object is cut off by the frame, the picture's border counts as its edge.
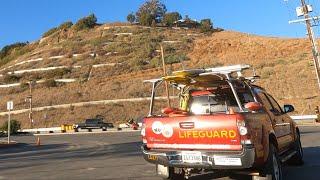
(288, 108)
(253, 106)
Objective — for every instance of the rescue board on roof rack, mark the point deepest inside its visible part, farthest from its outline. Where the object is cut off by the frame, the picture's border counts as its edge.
(199, 77)
(197, 81)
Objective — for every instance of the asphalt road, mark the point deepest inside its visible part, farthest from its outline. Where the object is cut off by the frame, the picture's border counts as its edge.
(113, 156)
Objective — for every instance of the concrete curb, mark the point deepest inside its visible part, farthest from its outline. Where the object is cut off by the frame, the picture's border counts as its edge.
(5, 144)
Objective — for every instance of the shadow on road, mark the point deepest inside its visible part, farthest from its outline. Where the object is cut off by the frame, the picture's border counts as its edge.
(309, 132)
(218, 175)
(311, 168)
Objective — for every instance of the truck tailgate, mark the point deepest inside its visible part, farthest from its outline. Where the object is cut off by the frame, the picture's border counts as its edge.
(207, 132)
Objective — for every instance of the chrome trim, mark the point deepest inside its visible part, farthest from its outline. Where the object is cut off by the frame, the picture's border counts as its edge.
(282, 124)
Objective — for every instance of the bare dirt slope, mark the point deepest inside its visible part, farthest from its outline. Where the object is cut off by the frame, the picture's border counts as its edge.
(285, 65)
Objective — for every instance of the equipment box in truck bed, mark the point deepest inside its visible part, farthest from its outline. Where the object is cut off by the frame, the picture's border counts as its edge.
(223, 122)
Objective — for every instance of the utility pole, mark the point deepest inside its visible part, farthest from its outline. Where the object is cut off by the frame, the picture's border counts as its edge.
(304, 11)
(30, 103)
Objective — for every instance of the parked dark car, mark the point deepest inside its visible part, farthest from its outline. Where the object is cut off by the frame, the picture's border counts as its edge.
(93, 124)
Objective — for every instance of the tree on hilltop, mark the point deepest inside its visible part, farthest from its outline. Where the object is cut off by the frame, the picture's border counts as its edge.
(206, 25)
(131, 18)
(153, 9)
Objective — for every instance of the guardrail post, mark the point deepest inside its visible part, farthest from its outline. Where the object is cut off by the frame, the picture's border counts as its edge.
(317, 110)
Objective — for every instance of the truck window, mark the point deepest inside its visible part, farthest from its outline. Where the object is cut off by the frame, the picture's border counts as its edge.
(264, 100)
(90, 121)
(276, 108)
(268, 103)
(213, 102)
(244, 93)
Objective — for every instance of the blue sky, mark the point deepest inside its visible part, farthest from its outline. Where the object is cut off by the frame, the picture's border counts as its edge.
(26, 20)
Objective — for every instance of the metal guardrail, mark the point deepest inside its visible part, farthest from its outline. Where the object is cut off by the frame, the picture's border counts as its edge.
(60, 130)
(39, 130)
(304, 117)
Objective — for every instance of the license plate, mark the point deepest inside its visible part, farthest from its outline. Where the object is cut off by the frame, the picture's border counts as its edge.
(191, 156)
(223, 161)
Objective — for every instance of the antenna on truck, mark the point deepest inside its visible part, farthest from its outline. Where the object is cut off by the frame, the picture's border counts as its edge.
(165, 74)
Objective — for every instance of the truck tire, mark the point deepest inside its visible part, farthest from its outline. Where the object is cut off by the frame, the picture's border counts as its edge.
(297, 159)
(175, 174)
(273, 166)
(103, 128)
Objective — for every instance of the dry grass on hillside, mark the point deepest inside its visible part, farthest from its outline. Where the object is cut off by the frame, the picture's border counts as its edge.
(284, 65)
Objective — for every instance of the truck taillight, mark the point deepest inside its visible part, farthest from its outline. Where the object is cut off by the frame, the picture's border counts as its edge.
(243, 131)
(242, 127)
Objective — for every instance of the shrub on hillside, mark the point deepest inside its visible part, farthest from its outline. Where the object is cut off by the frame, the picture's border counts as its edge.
(57, 73)
(170, 18)
(206, 25)
(24, 86)
(87, 22)
(5, 51)
(16, 51)
(175, 58)
(63, 26)
(11, 78)
(155, 62)
(50, 83)
(14, 126)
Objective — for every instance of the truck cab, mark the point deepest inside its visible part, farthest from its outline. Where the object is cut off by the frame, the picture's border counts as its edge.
(222, 122)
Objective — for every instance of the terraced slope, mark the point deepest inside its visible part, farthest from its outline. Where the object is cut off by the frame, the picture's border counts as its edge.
(110, 62)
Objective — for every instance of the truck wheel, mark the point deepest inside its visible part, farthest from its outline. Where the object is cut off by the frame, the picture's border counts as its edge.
(297, 159)
(175, 174)
(273, 166)
(104, 128)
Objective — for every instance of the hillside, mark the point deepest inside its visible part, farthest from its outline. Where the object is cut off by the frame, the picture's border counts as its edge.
(111, 61)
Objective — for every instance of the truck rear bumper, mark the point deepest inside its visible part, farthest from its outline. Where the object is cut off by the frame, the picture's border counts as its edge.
(209, 159)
